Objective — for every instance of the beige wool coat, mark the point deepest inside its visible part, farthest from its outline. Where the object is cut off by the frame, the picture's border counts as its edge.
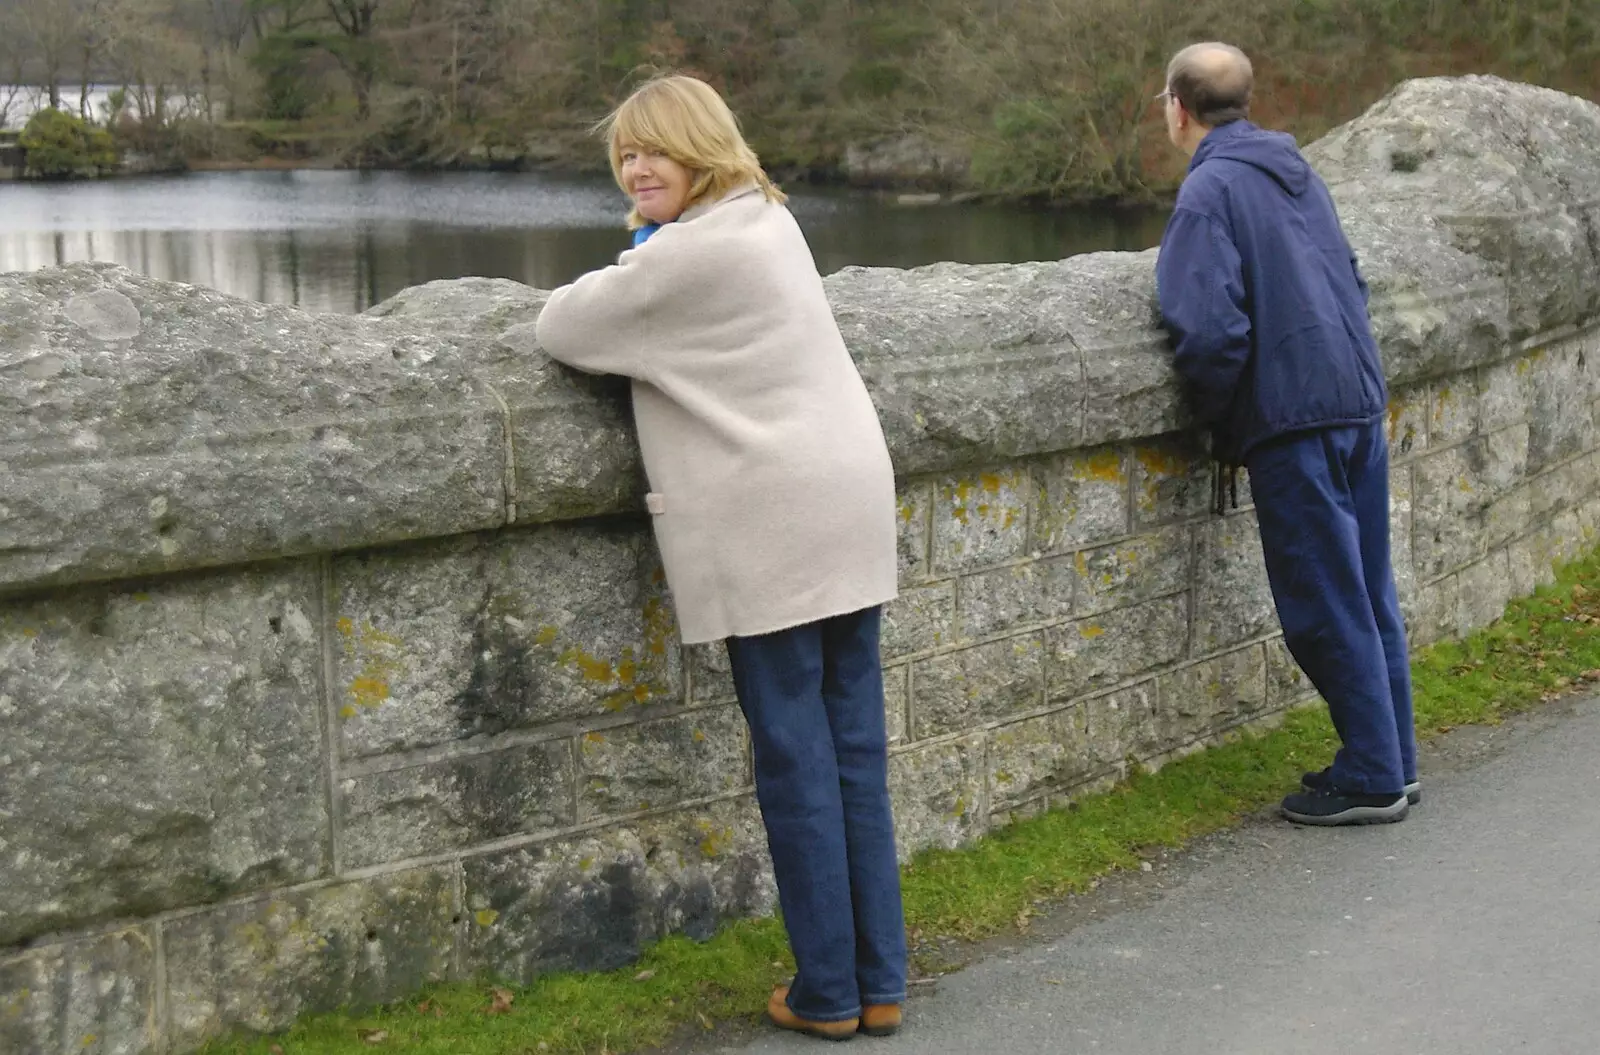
(771, 490)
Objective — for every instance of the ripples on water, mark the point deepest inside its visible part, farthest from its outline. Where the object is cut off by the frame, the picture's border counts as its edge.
(342, 241)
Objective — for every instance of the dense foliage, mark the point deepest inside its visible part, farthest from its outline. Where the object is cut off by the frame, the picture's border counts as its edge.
(60, 145)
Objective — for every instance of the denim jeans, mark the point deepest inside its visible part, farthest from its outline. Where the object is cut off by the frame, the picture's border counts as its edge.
(813, 696)
(1322, 502)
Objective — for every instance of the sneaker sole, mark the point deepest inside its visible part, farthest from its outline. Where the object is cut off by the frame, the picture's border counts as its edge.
(1413, 791)
(1353, 815)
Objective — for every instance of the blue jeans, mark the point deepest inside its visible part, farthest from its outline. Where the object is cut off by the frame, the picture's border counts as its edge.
(1322, 501)
(813, 696)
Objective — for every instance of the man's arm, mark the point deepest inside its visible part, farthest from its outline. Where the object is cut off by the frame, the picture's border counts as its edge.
(1200, 281)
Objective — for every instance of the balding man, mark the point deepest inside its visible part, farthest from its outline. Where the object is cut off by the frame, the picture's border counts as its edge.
(1267, 311)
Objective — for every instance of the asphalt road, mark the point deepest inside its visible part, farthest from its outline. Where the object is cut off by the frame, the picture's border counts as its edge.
(1471, 928)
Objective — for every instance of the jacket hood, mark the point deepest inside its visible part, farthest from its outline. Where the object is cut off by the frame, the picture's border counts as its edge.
(1274, 153)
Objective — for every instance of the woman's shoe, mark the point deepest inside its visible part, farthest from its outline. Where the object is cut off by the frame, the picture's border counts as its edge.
(779, 1012)
(881, 1020)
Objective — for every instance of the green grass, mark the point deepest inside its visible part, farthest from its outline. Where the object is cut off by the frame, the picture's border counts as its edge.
(1545, 646)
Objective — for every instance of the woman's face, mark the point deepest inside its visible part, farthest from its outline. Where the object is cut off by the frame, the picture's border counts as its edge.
(658, 185)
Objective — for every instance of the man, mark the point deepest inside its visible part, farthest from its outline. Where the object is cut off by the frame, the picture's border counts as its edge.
(1267, 311)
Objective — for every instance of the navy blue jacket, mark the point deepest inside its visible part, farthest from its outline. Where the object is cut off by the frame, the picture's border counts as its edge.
(1260, 292)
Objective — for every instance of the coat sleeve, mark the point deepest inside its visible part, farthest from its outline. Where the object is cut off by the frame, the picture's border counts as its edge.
(598, 323)
(1200, 282)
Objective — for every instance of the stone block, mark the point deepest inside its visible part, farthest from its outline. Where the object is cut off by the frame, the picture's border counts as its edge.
(1437, 616)
(455, 803)
(1080, 499)
(914, 529)
(1215, 694)
(1402, 555)
(1056, 751)
(1232, 598)
(1448, 506)
(710, 673)
(155, 427)
(985, 683)
(1560, 416)
(1134, 570)
(921, 618)
(1502, 396)
(1407, 423)
(483, 634)
(897, 703)
(95, 996)
(1102, 650)
(1452, 410)
(1486, 589)
(1132, 391)
(1287, 684)
(594, 901)
(160, 746)
(1021, 595)
(1171, 480)
(656, 764)
(980, 520)
(260, 965)
(937, 792)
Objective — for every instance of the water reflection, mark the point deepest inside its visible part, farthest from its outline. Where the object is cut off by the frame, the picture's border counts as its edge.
(341, 241)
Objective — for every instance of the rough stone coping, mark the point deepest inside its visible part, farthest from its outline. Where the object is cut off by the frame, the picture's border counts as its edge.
(148, 426)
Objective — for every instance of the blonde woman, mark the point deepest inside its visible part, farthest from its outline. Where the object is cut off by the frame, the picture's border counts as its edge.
(773, 503)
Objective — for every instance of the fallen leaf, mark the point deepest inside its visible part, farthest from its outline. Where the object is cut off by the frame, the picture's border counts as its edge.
(422, 1008)
(373, 1036)
(1578, 590)
(704, 1021)
(501, 1004)
(644, 976)
(276, 1049)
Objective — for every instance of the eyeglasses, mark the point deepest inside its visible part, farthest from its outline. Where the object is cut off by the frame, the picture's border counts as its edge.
(1164, 96)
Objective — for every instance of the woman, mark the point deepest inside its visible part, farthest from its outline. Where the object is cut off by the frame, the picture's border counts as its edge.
(773, 502)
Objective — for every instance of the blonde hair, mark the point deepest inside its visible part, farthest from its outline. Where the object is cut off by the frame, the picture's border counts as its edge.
(685, 119)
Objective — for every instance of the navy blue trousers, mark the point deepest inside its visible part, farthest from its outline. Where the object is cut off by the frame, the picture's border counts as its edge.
(813, 696)
(1322, 501)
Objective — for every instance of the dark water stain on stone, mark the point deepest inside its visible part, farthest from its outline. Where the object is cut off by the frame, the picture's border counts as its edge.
(503, 684)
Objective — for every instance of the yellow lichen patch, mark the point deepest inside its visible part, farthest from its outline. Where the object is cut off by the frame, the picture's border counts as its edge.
(907, 512)
(1161, 463)
(596, 738)
(1081, 563)
(369, 692)
(1397, 410)
(585, 863)
(486, 917)
(1092, 632)
(1465, 485)
(375, 654)
(990, 483)
(141, 598)
(1105, 467)
(961, 807)
(30, 632)
(1442, 400)
(546, 635)
(699, 737)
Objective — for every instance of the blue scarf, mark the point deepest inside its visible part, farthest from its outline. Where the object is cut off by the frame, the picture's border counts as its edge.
(642, 235)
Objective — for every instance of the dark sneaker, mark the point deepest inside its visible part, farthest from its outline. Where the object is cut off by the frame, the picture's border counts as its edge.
(1319, 780)
(1330, 807)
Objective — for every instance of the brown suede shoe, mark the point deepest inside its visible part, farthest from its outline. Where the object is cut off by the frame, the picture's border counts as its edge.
(881, 1020)
(778, 1011)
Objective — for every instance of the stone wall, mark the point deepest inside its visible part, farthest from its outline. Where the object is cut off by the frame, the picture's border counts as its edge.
(335, 657)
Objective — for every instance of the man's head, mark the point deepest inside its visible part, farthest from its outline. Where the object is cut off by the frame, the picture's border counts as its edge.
(1208, 85)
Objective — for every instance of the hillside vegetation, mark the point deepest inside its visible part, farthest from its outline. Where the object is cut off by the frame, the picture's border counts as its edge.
(1046, 99)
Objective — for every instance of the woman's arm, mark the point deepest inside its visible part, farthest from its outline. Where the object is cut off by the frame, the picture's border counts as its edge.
(597, 324)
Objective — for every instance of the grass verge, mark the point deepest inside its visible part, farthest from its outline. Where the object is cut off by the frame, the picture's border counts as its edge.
(1544, 646)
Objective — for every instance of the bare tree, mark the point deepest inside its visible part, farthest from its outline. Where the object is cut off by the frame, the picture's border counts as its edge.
(52, 31)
